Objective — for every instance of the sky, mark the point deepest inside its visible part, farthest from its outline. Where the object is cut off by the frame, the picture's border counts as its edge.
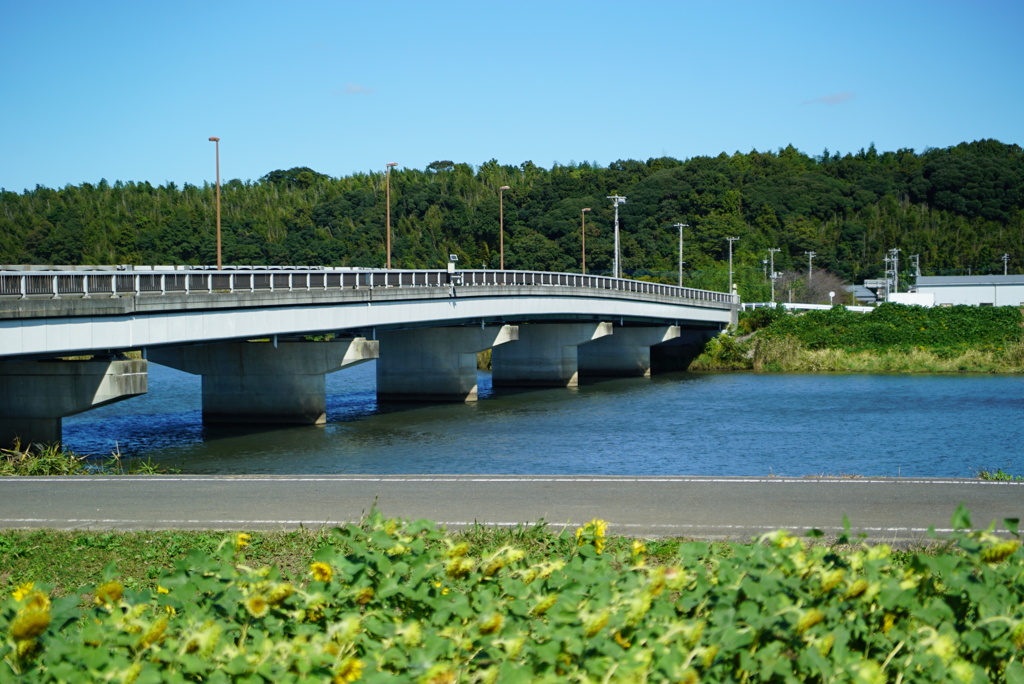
(132, 91)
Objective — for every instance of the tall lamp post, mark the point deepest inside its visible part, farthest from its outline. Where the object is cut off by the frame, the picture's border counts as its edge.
(583, 239)
(617, 200)
(387, 196)
(501, 225)
(216, 144)
(731, 240)
(771, 258)
(680, 226)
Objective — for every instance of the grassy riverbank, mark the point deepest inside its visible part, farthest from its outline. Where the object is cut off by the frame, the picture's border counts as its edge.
(388, 600)
(55, 459)
(891, 339)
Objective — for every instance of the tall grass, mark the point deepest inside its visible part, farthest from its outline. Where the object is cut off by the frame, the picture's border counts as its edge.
(55, 459)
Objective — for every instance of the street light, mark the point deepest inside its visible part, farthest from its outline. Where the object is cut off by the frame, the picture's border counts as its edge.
(387, 195)
(617, 200)
(731, 240)
(501, 225)
(583, 238)
(771, 258)
(216, 144)
(680, 226)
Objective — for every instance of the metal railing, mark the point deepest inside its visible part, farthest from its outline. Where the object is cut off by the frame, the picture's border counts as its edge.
(156, 281)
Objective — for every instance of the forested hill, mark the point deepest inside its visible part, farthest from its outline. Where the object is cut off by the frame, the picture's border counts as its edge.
(959, 208)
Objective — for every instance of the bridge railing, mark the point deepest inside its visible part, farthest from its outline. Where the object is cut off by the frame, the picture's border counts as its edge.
(115, 283)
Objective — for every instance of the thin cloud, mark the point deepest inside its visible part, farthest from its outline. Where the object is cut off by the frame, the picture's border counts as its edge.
(837, 98)
(354, 89)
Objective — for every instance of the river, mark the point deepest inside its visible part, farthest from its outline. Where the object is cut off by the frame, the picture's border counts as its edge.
(676, 424)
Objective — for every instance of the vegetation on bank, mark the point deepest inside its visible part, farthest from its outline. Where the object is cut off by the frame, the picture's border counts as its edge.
(959, 208)
(891, 338)
(55, 459)
(389, 600)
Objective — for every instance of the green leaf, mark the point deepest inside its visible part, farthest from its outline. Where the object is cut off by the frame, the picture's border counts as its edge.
(961, 518)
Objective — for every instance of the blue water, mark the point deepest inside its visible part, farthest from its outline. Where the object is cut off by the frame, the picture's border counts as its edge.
(677, 424)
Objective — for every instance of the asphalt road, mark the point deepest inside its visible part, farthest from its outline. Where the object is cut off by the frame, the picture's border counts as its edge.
(896, 510)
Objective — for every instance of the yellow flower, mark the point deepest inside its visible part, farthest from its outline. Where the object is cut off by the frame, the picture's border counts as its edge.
(162, 590)
(242, 540)
(592, 624)
(492, 624)
(37, 600)
(23, 590)
(29, 624)
(997, 553)
(364, 596)
(154, 634)
(109, 592)
(257, 605)
(545, 604)
(322, 572)
(808, 620)
(280, 593)
(593, 531)
(349, 671)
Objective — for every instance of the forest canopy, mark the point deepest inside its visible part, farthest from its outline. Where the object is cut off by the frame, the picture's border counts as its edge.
(958, 208)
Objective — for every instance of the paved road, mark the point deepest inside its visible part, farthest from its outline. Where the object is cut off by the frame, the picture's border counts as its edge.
(892, 510)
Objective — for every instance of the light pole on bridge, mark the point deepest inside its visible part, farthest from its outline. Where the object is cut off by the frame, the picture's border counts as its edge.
(501, 225)
(616, 201)
(583, 239)
(216, 144)
(680, 226)
(387, 196)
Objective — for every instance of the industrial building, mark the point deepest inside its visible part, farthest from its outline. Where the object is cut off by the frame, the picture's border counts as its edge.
(979, 290)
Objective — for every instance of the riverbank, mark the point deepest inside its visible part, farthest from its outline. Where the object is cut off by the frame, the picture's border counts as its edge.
(891, 339)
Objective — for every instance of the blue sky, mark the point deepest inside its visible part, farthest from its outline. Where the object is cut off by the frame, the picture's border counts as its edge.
(132, 90)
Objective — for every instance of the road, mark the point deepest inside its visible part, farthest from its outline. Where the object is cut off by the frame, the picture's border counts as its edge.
(896, 510)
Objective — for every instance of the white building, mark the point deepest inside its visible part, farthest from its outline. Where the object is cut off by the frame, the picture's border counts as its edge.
(983, 290)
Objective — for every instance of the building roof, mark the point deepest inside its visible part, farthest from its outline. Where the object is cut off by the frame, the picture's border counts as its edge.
(939, 281)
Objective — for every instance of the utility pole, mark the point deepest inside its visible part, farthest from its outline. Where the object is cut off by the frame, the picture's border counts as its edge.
(916, 260)
(810, 265)
(731, 240)
(771, 259)
(617, 200)
(1006, 261)
(680, 226)
(894, 262)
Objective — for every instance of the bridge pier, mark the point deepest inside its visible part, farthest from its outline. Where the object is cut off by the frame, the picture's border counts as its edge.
(36, 395)
(435, 364)
(260, 382)
(545, 356)
(679, 353)
(626, 353)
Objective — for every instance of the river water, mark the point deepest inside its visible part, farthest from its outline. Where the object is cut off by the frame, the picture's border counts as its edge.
(675, 424)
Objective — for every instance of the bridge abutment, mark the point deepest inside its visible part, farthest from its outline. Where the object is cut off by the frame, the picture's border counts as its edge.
(260, 382)
(625, 353)
(546, 355)
(435, 364)
(36, 395)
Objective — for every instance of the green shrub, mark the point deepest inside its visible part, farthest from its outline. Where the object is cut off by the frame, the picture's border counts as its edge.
(393, 601)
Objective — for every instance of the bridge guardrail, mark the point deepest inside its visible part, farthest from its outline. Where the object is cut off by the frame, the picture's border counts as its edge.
(116, 283)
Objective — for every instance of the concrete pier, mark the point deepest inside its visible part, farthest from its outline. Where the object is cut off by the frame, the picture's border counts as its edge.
(545, 355)
(36, 395)
(625, 353)
(260, 382)
(435, 364)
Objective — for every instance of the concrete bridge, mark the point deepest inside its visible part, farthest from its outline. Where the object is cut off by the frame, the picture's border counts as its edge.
(263, 338)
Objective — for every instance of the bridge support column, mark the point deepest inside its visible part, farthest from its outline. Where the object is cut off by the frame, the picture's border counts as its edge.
(434, 364)
(36, 395)
(545, 355)
(259, 382)
(626, 353)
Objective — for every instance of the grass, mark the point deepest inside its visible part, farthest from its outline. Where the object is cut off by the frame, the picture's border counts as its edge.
(54, 459)
(788, 355)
